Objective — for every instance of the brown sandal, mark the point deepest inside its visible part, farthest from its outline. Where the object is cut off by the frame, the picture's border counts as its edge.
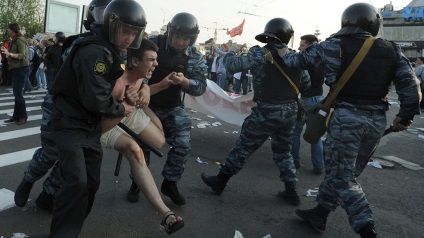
(171, 227)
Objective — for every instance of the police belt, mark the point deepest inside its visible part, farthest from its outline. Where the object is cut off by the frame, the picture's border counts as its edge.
(277, 102)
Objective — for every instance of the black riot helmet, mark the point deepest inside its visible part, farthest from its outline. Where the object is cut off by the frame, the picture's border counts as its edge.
(59, 37)
(276, 29)
(362, 15)
(122, 16)
(95, 12)
(184, 24)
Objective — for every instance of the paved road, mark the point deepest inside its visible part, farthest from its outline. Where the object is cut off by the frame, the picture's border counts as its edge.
(249, 204)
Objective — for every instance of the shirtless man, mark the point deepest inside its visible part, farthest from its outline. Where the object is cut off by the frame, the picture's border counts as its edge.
(143, 122)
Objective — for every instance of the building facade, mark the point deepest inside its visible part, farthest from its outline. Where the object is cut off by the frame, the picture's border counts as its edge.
(405, 27)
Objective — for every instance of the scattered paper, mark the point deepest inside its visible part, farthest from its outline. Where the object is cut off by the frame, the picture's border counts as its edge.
(210, 116)
(19, 235)
(203, 124)
(226, 132)
(421, 136)
(216, 123)
(196, 118)
(375, 164)
(311, 193)
(238, 234)
(218, 163)
(235, 132)
(200, 161)
(193, 111)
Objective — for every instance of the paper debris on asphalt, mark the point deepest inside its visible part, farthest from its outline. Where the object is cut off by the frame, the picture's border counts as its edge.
(203, 124)
(196, 118)
(421, 136)
(235, 132)
(210, 116)
(311, 193)
(216, 123)
(375, 164)
(193, 111)
(238, 234)
(384, 163)
(19, 235)
(404, 163)
(200, 161)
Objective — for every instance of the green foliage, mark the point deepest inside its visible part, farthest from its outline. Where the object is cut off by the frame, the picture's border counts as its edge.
(29, 14)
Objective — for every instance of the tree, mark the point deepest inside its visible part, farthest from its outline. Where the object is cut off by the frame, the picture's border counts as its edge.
(29, 14)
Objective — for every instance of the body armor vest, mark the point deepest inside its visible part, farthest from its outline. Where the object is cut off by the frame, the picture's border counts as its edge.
(272, 86)
(372, 78)
(168, 61)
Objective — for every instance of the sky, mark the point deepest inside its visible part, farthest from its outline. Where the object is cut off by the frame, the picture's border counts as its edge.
(306, 16)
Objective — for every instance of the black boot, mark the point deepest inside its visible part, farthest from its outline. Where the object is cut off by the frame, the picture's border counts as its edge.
(290, 194)
(169, 188)
(316, 217)
(45, 201)
(217, 183)
(22, 193)
(368, 231)
(134, 193)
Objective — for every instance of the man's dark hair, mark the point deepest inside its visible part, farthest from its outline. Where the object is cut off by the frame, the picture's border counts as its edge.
(421, 58)
(144, 46)
(309, 38)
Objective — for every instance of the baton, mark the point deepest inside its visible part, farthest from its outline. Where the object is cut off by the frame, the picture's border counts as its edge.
(118, 164)
(139, 140)
(388, 130)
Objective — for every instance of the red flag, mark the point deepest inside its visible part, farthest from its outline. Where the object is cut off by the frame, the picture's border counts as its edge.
(236, 31)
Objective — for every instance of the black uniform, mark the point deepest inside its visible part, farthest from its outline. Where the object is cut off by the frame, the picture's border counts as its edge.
(82, 95)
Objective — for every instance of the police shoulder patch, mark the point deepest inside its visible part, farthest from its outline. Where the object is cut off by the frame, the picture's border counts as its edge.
(100, 67)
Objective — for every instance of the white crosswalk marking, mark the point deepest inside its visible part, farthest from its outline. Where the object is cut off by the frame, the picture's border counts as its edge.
(9, 131)
(19, 133)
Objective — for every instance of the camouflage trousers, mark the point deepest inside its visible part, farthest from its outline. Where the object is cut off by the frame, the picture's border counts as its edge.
(351, 138)
(177, 126)
(266, 120)
(45, 157)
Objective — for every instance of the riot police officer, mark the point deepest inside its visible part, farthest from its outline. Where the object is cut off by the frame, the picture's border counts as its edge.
(359, 118)
(275, 113)
(82, 96)
(45, 157)
(180, 71)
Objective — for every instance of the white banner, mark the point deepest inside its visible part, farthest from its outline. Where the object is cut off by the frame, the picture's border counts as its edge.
(229, 107)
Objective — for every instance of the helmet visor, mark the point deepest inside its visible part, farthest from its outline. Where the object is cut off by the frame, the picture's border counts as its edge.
(124, 35)
(97, 13)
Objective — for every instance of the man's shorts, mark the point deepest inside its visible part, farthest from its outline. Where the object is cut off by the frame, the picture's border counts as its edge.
(136, 121)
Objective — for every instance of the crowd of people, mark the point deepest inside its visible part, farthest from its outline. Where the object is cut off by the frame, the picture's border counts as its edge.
(114, 75)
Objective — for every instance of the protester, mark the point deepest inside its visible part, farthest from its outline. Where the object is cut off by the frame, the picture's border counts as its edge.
(17, 56)
(82, 96)
(310, 97)
(275, 113)
(359, 119)
(143, 122)
(180, 70)
(221, 72)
